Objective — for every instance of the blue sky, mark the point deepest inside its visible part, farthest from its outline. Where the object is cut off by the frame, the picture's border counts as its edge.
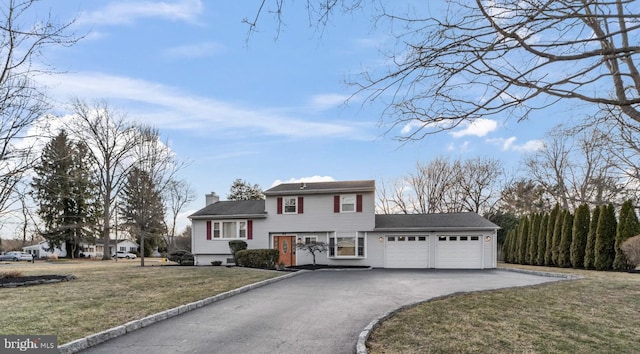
(256, 108)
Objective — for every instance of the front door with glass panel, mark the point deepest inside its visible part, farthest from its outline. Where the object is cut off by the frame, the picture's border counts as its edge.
(287, 247)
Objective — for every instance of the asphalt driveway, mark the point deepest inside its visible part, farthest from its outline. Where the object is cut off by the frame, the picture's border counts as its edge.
(314, 312)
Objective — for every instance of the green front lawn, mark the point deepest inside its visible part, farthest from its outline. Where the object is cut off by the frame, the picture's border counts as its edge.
(597, 314)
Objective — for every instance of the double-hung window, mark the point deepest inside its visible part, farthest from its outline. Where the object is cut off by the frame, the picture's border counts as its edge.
(290, 205)
(348, 203)
(310, 240)
(347, 245)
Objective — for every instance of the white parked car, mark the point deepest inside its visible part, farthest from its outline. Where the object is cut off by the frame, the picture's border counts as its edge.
(16, 256)
(126, 255)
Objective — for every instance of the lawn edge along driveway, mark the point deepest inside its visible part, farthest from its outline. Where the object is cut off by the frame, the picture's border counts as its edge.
(361, 347)
(95, 339)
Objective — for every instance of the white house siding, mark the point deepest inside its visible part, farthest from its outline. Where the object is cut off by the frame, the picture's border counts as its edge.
(41, 250)
(318, 216)
(490, 251)
(206, 251)
(374, 252)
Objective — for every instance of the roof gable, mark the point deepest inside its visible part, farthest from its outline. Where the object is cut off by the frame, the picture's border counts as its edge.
(322, 187)
(232, 209)
(433, 222)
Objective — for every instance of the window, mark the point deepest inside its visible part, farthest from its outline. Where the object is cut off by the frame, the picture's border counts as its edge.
(310, 240)
(348, 203)
(453, 238)
(122, 248)
(391, 238)
(229, 229)
(422, 238)
(411, 238)
(290, 205)
(442, 238)
(346, 245)
(464, 238)
(474, 238)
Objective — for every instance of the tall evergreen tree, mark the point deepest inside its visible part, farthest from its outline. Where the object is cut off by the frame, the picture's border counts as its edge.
(523, 240)
(590, 247)
(513, 244)
(65, 194)
(605, 238)
(143, 210)
(628, 226)
(532, 251)
(542, 239)
(579, 236)
(506, 246)
(548, 252)
(564, 247)
(557, 236)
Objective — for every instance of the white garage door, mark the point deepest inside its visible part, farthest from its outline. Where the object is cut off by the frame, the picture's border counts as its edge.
(461, 252)
(407, 252)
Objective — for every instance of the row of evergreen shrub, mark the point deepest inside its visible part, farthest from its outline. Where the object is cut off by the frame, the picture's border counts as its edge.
(585, 239)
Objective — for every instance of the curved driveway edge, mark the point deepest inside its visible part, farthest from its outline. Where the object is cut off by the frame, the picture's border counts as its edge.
(361, 347)
(95, 339)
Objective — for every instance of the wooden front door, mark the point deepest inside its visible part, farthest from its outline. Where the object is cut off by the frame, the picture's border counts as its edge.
(287, 247)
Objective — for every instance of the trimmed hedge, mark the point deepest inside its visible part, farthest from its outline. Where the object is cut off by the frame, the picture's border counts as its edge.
(257, 258)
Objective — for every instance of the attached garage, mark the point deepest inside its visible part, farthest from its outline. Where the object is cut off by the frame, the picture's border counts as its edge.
(406, 251)
(458, 252)
(441, 241)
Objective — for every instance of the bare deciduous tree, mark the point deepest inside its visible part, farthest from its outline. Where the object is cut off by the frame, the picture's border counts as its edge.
(489, 58)
(178, 195)
(442, 186)
(575, 167)
(479, 184)
(23, 38)
(111, 141)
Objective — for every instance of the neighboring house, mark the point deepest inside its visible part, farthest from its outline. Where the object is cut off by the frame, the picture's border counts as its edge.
(122, 245)
(42, 250)
(342, 214)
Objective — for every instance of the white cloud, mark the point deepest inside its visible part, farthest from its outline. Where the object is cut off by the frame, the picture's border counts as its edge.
(509, 144)
(196, 50)
(118, 13)
(326, 101)
(168, 107)
(529, 146)
(479, 127)
(304, 179)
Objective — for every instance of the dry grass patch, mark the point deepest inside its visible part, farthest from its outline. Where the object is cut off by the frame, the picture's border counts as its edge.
(107, 294)
(597, 314)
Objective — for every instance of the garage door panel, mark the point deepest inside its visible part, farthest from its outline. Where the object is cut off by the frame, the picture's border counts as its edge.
(459, 252)
(406, 252)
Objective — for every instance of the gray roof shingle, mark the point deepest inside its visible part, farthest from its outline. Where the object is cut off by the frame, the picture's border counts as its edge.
(322, 187)
(433, 222)
(232, 208)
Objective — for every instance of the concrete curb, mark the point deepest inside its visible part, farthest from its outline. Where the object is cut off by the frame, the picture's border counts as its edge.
(97, 338)
(541, 273)
(361, 347)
